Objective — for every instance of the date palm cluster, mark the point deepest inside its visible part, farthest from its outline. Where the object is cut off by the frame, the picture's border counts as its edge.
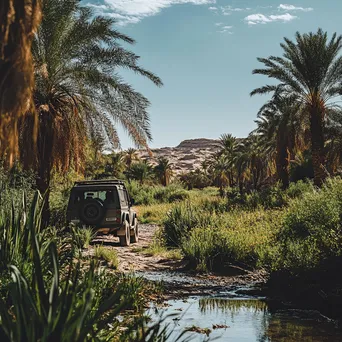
(299, 130)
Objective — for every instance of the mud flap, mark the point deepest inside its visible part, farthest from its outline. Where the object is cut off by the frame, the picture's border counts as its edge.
(121, 231)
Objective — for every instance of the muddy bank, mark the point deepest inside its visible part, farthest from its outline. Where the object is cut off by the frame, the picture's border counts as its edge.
(315, 289)
(177, 280)
(319, 290)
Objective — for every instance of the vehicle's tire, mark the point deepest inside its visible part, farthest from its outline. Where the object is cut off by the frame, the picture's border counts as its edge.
(126, 239)
(92, 212)
(135, 232)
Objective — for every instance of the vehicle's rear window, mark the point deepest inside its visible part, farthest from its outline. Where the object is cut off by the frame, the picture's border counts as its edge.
(108, 197)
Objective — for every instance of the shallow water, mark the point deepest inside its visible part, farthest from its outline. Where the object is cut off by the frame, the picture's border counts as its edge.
(247, 319)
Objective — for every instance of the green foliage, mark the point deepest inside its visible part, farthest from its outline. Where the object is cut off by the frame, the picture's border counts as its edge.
(200, 247)
(82, 237)
(181, 219)
(294, 229)
(108, 254)
(48, 295)
(153, 194)
(311, 229)
(298, 189)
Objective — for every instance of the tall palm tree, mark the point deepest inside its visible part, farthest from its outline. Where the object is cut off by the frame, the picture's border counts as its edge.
(163, 171)
(130, 157)
(278, 125)
(311, 70)
(78, 90)
(19, 20)
(229, 146)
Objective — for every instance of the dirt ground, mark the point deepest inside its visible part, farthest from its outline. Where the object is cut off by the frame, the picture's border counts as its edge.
(131, 258)
(177, 279)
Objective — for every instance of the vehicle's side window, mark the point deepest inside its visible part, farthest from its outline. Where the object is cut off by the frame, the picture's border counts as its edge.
(126, 196)
(122, 198)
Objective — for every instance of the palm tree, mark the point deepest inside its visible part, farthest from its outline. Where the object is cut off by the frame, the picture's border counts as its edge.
(130, 157)
(311, 70)
(163, 171)
(114, 165)
(334, 141)
(78, 90)
(19, 21)
(277, 127)
(229, 146)
(140, 171)
(252, 162)
(219, 166)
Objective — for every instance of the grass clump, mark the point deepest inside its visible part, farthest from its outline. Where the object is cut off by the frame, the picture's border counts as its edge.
(83, 236)
(108, 254)
(158, 248)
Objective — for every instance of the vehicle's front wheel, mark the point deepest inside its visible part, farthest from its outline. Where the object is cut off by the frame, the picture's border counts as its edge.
(135, 232)
(126, 239)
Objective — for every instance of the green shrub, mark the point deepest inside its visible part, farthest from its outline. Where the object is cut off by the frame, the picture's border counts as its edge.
(298, 189)
(311, 229)
(181, 219)
(200, 247)
(108, 254)
(82, 237)
(153, 194)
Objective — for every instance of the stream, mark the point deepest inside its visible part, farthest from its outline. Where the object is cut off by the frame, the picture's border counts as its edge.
(230, 314)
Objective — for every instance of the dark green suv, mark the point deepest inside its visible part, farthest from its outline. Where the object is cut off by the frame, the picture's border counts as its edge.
(104, 204)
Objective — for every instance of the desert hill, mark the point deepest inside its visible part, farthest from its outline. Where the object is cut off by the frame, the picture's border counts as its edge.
(185, 157)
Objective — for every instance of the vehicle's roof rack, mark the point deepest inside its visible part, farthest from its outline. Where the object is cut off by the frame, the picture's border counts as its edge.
(100, 182)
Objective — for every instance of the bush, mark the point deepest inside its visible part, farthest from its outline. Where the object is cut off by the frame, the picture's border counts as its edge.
(153, 194)
(181, 219)
(311, 229)
(299, 188)
(200, 247)
(108, 254)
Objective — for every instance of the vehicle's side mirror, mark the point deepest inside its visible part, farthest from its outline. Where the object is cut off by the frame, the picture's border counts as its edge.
(132, 201)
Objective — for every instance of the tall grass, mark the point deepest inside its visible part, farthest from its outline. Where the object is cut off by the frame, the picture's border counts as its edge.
(294, 230)
(48, 294)
(154, 194)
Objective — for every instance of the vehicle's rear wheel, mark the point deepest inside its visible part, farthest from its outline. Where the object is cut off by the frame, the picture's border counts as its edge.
(126, 239)
(135, 232)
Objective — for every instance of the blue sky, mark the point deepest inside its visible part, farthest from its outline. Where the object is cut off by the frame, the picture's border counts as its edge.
(205, 51)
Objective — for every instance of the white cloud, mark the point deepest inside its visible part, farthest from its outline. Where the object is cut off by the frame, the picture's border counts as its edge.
(212, 8)
(286, 7)
(226, 29)
(259, 18)
(218, 24)
(133, 11)
(228, 10)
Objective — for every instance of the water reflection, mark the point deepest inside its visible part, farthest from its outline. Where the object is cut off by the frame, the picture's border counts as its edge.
(248, 320)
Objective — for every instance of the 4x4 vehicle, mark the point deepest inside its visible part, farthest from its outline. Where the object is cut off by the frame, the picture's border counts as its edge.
(104, 204)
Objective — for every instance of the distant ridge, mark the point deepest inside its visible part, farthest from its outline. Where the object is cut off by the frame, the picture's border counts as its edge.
(185, 157)
(199, 143)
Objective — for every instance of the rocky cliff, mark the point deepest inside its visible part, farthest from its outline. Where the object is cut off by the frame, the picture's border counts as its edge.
(185, 157)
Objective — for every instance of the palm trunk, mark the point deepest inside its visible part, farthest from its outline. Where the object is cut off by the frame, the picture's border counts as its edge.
(44, 154)
(19, 19)
(317, 145)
